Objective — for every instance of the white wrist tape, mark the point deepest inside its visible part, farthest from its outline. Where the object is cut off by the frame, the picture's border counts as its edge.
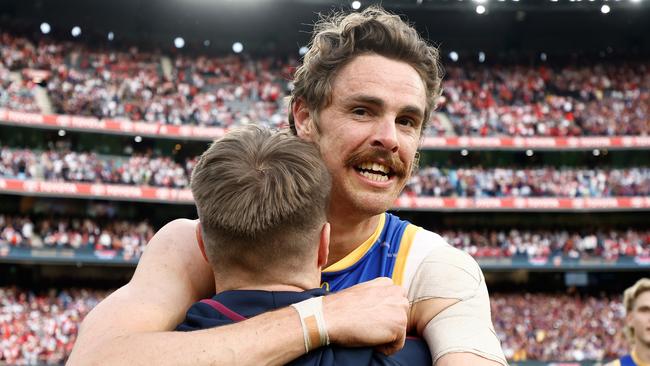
(313, 323)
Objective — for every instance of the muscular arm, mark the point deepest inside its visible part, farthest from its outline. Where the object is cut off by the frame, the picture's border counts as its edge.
(132, 325)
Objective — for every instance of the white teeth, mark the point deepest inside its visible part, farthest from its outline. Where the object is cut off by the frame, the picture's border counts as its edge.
(375, 177)
(374, 166)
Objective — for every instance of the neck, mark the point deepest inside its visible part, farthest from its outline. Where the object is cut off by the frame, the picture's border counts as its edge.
(348, 232)
(232, 280)
(641, 353)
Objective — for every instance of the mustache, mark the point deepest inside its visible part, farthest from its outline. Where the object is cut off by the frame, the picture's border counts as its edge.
(376, 154)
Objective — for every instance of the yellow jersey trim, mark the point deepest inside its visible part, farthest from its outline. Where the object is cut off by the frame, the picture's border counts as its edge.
(636, 359)
(402, 254)
(360, 251)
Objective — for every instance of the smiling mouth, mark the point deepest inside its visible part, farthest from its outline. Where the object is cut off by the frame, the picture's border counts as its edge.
(375, 171)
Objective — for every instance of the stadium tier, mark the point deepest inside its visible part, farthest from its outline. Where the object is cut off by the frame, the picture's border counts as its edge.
(83, 240)
(606, 99)
(40, 327)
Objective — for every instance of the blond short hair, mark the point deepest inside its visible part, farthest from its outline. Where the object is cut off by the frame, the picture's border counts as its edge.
(339, 38)
(262, 198)
(629, 297)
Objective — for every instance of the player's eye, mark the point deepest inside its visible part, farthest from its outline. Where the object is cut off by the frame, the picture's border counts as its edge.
(360, 111)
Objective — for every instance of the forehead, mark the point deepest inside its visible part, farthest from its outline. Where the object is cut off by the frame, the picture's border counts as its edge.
(395, 82)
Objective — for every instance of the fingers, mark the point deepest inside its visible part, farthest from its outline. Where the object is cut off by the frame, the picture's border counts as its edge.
(371, 313)
(392, 348)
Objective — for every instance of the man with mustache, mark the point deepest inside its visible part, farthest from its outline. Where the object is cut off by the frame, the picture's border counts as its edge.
(270, 237)
(363, 95)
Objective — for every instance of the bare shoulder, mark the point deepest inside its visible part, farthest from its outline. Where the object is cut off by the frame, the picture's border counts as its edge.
(451, 306)
(173, 256)
(170, 276)
(442, 270)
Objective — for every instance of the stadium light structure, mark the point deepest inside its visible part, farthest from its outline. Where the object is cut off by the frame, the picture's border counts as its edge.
(453, 55)
(137, 139)
(45, 28)
(464, 152)
(356, 5)
(206, 43)
(596, 152)
(179, 42)
(481, 57)
(61, 133)
(303, 50)
(605, 9)
(543, 57)
(480, 9)
(237, 47)
(76, 31)
(529, 153)
(110, 36)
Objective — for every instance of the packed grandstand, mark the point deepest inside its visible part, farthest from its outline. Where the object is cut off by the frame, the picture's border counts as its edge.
(40, 327)
(79, 90)
(604, 99)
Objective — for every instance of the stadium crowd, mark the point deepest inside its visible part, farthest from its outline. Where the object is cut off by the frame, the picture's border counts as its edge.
(15, 93)
(72, 166)
(599, 99)
(42, 327)
(135, 85)
(131, 238)
(608, 244)
(564, 327)
(531, 182)
(127, 237)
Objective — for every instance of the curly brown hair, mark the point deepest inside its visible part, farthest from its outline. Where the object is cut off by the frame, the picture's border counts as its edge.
(340, 37)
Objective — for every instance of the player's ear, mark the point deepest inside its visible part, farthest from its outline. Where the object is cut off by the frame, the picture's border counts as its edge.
(324, 245)
(303, 120)
(628, 319)
(199, 238)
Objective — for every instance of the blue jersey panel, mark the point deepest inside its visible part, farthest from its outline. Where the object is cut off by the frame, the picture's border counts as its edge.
(627, 361)
(378, 261)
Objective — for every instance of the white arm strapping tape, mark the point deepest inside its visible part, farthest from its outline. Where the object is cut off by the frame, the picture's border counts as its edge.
(467, 325)
(313, 323)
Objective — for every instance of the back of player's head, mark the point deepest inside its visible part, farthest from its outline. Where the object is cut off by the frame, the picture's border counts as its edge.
(262, 198)
(630, 296)
(339, 38)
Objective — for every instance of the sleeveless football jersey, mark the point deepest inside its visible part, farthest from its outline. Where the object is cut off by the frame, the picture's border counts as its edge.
(629, 360)
(384, 254)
